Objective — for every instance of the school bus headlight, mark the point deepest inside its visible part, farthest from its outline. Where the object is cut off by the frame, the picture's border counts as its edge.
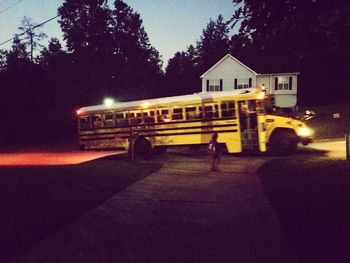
(305, 132)
(108, 102)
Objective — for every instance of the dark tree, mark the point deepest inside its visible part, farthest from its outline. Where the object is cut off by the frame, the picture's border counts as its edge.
(110, 51)
(182, 73)
(314, 32)
(30, 36)
(20, 94)
(140, 62)
(213, 44)
(85, 24)
(17, 55)
(2, 59)
(54, 48)
(57, 70)
(185, 68)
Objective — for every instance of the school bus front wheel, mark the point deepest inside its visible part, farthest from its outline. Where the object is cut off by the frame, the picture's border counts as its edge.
(283, 142)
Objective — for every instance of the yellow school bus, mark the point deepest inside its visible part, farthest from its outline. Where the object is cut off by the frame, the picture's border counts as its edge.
(238, 117)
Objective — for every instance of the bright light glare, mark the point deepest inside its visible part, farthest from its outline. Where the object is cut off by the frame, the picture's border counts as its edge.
(108, 102)
(261, 95)
(145, 105)
(79, 112)
(305, 132)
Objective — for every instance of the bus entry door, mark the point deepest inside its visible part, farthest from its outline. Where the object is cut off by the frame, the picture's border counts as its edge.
(248, 120)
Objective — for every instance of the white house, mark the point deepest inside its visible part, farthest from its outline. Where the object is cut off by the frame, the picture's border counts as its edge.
(231, 73)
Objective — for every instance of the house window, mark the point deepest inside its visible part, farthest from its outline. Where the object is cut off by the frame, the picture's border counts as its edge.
(283, 83)
(243, 83)
(214, 84)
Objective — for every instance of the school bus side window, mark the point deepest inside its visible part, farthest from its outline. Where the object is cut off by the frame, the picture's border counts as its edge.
(216, 111)
(97, 120)
(192, 113)
(163, 115)
(119, 119)
(177, 114)
(136, 118)
(84, 122)
(148, 117)
(228, 109)
(211, 111)
(109, 121)
(231, 108)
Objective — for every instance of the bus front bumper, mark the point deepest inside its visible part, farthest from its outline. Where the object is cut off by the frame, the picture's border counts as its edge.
(305, 140)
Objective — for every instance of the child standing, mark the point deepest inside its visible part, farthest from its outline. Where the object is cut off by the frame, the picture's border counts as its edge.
(215, 149)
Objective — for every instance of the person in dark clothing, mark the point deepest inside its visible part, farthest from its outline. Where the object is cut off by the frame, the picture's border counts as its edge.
(214, 147)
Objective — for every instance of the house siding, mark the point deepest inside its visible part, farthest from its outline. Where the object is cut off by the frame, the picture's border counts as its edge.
(228, 70)
(283, 98)
(286, 101)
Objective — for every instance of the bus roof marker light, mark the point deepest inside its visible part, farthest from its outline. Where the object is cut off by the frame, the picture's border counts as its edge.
(108, 102)
(261, 95)
(145, 105)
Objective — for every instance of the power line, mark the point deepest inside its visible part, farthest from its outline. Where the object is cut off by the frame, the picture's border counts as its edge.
(38, 25)
(46, 21)
(10, 6)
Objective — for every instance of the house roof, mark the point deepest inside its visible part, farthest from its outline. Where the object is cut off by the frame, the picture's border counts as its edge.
(227, 56)
(264, 64)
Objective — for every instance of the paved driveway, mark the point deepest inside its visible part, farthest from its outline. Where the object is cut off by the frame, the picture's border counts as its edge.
(182, 213)
(335, 149)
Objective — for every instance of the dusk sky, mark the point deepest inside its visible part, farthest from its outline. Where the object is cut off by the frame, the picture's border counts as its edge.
(172, 25)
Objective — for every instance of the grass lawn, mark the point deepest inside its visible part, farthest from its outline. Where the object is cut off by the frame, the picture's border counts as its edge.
(312, 201)
(36, 201)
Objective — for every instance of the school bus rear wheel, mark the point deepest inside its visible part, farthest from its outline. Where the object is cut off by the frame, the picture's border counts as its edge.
(143, 148)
